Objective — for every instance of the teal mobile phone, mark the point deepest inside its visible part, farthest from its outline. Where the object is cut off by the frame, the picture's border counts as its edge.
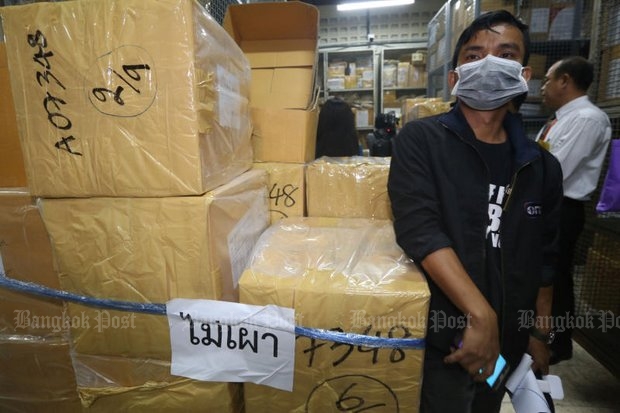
(499, 374)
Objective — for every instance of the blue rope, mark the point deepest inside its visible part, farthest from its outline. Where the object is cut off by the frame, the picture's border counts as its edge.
(160, 309)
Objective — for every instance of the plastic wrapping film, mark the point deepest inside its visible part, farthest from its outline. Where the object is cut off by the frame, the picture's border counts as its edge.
(26, 255)
(353, 187)
(109, 383)
(416, 108)
(149, 250)
(287, 189)
(37, 375)
(127, 97)
(348, 275)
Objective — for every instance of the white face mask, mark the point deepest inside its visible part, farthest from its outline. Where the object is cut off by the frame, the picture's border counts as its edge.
(489, 83)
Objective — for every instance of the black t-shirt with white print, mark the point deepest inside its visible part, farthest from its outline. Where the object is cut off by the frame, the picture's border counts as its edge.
(498, 160)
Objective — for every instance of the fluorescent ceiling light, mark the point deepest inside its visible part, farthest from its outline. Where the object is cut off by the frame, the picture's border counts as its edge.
(358, 5)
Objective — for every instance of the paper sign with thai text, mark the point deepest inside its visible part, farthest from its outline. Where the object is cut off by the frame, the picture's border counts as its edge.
(230, 342)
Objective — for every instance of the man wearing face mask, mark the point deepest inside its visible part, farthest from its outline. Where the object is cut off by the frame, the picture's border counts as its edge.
(476, 204)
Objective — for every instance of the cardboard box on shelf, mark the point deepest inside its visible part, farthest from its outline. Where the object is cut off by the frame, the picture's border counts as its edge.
(364, 117)
(402, 76)
(12, 170)
(417, 76)
(140, 98)
(354, 187)
(347, 275)
(416, 108)
(26, 255)
(609, 85)
(287, 189)
(284, 57)
(538, 63)
(151, 250)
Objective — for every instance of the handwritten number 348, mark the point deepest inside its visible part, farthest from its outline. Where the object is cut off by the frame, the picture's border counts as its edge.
(132, 72)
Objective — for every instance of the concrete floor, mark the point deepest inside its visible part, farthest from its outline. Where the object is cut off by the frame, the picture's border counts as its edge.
(588, 386)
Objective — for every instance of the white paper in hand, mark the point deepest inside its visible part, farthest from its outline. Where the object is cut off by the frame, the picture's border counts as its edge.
(527, 397)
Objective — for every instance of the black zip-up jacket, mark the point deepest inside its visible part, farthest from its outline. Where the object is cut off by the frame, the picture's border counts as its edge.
(439, 190)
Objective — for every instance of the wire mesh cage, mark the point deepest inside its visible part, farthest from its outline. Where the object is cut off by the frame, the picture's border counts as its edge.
(597, 256)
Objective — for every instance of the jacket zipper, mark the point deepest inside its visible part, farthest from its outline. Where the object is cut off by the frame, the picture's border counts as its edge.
(502, 270)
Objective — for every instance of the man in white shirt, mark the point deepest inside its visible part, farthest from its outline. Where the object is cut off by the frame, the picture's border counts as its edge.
(578, 136)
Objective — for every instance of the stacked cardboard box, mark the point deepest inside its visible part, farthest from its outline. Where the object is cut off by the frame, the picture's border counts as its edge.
(353, 187)
(37, 374)
(12, 172)
(287, 189)
(283, 58)
(347, 275)
(135, 124)
(141, 103)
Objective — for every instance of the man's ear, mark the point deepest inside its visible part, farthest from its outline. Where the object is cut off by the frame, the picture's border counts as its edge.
(527, 73)
(452, 79)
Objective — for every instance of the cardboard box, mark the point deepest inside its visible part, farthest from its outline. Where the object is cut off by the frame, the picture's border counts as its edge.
(280, 41)
(287, 189)
(120, 384)
(418, 77)
(609, 85)
(284, 135)
(26, 255)
(538, 63)
(37, 375)
(141, 98)
(348, 187)
(416, 108)
(12, 170)
(403, 74)
(349, 275)
(151, 250)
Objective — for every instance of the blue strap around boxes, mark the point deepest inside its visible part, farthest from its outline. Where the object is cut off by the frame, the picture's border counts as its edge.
(160, 309)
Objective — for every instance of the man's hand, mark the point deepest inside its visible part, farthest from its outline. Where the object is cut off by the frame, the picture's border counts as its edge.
(540, 354)
(480, 347)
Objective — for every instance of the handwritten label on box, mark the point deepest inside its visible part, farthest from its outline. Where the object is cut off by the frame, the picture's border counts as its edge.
(230, 342)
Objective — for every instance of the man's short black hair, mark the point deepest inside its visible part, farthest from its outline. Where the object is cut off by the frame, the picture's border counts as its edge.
(485, 22)
(579, 69)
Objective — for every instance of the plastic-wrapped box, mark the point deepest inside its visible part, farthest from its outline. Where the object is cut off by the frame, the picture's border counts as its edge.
(12, 172)
(149, 250)
(287, 189)
(127, 97)
(37, 375)
(120, 384)
(347, 275)
(26, 255)
(354, 187)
